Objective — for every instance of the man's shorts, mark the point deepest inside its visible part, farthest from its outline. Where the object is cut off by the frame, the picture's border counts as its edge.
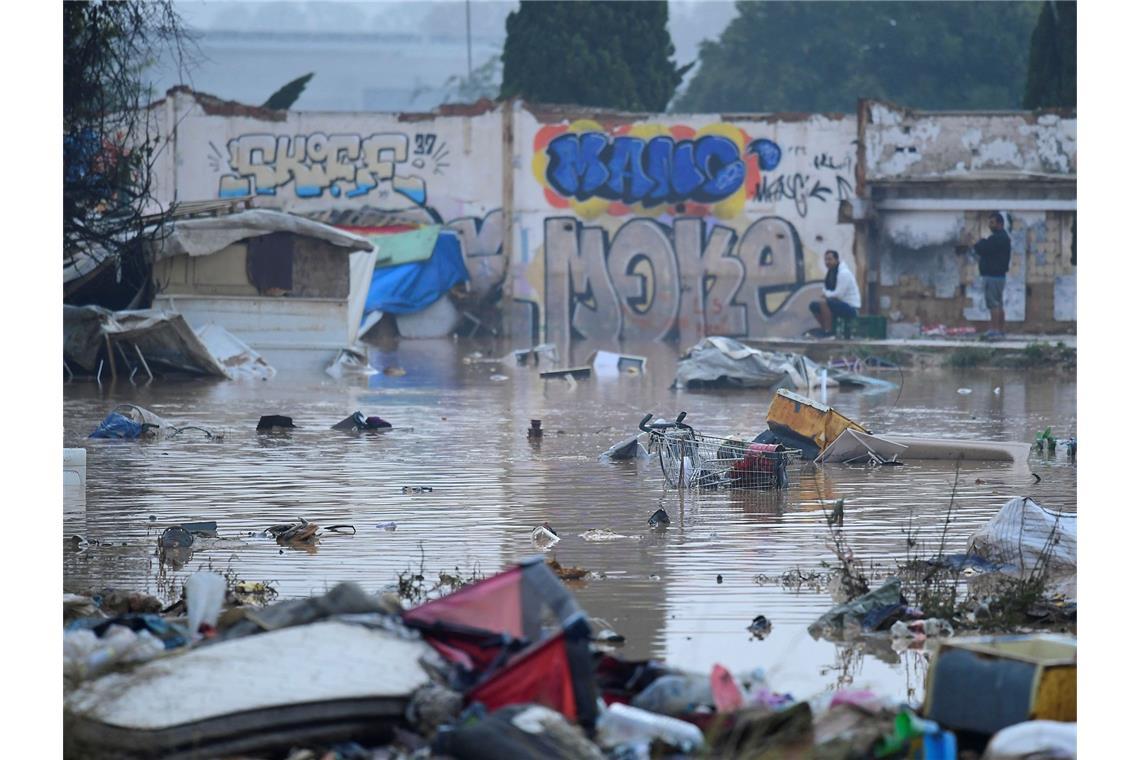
(838, 308)
(995, 288)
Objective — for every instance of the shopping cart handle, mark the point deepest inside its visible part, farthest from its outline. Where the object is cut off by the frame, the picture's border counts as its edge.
(645, 419)
(680, 417)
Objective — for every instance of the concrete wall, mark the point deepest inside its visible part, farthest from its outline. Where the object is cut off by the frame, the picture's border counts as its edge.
(924, 276)
(348, 168)
(629, 227)
(602, 226)
(911, 145)
(931, 180)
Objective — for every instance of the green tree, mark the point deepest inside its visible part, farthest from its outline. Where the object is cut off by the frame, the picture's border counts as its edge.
(284, 98)
(1052, 81)
(603, 53)
(109, 141)
(824, 56)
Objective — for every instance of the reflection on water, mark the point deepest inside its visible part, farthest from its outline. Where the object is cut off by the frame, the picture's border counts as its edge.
(464, 434)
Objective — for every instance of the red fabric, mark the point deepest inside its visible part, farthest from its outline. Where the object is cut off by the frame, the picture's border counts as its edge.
(493, 604)
(454, 654)
(754, 459)
(726, 694)
(541, 675)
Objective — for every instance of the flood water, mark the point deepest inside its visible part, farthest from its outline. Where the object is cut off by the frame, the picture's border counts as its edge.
(462, 432)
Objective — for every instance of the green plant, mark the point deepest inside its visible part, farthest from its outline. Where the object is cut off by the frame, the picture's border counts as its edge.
(929, 581)
(111, 142)
(968, 356)
(413, 587)
(1045, 437)
(285, 97)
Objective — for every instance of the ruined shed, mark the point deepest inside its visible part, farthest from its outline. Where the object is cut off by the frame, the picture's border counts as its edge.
(926, 183)
(276, 280)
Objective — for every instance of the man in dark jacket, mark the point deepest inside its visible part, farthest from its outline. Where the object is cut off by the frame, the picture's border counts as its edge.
(993, 265)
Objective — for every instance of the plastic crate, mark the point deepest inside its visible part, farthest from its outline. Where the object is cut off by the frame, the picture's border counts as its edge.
(871, 326)
(985, 684)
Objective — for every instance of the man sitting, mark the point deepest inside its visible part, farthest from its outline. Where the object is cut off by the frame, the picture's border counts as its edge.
(840, 294)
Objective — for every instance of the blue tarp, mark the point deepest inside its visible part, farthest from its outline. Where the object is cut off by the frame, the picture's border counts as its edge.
(118, 426)
(408, 288)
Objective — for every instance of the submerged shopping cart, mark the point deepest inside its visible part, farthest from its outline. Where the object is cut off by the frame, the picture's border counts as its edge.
(694, 460)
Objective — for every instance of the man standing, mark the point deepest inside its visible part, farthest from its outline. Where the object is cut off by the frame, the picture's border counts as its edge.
(840, 294)
(993, 265)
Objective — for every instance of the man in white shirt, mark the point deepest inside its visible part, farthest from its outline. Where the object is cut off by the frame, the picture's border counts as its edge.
(840, 294)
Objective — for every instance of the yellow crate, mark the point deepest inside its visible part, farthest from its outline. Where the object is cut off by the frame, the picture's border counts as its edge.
(984, 684)
(809, 419)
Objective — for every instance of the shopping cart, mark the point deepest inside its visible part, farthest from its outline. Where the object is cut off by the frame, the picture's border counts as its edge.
(694, 460)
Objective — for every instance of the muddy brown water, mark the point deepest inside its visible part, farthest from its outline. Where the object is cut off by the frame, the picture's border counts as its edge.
(461, 430)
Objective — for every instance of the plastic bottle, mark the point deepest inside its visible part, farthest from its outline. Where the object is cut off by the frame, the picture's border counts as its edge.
(86, 655)
(622, 724)
(205, 594)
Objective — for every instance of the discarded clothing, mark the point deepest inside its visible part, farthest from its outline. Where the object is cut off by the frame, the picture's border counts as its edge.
(116, 425)
(128, 422)
(859, 611)
(762, 466)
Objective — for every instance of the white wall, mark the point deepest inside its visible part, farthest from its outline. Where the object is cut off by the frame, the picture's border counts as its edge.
(699, 239)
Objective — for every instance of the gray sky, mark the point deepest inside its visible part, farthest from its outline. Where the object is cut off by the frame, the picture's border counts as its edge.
(380, 55)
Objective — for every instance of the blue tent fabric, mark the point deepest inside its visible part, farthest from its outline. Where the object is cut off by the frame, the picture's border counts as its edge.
(408, 288)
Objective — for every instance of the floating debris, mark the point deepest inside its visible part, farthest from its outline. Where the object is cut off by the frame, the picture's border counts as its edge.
(567, 573)
(601, 534)
(544, 536)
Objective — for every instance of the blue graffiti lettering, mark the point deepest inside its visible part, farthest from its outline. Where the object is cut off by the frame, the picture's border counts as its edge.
(630, 170)
(628, 180)
(767, 153)
(720, 160)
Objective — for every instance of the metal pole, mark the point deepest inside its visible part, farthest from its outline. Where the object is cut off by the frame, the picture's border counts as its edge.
(111, 358)
(468, 4)
(141, 359)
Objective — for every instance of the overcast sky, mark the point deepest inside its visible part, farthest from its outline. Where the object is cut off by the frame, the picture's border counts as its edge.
(404, 71)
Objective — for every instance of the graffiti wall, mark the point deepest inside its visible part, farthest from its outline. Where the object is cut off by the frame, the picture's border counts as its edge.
(354, 169)
(677, 228)
(603, 227)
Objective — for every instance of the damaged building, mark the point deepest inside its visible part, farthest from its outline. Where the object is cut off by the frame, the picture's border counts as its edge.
(927, 183)
(601, 226)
